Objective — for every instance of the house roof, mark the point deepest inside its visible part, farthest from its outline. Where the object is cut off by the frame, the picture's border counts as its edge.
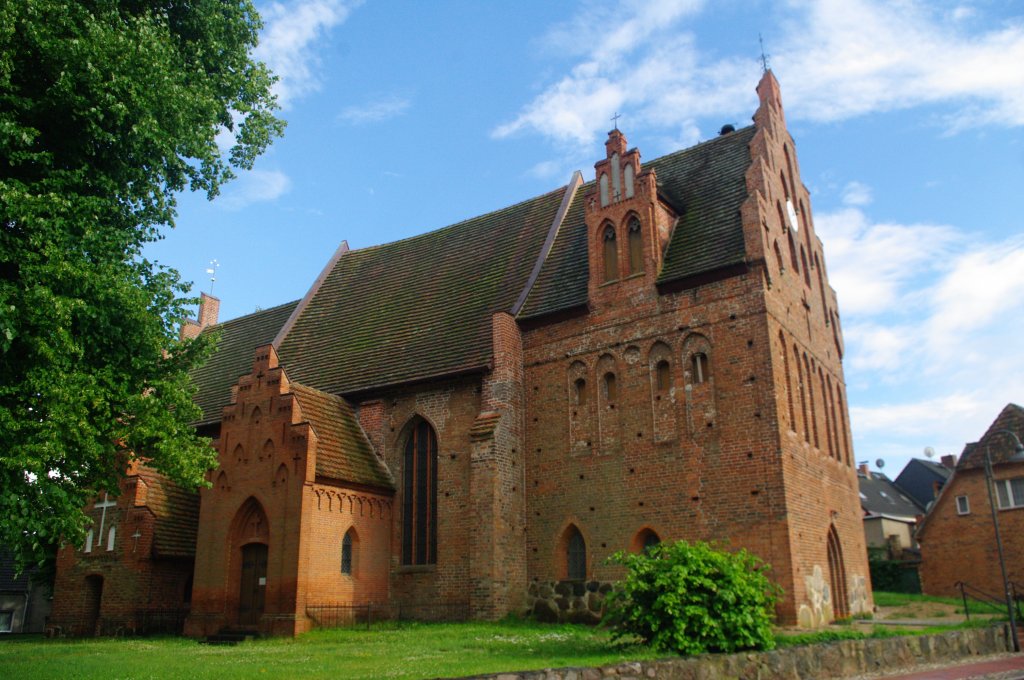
(879, 496)
(343, 451)
(705, 185)
(176, 513)
(10, 580)
(1000, 445)
(233, 356)
(919, 477)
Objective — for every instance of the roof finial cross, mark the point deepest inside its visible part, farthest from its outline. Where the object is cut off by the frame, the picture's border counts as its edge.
(764, 57)
(615, 119)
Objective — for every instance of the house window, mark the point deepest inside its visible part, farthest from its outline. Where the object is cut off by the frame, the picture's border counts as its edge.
(419, 496)
(576, 556)
(1011, 493)
(699, 368)
(110, 538)
(963, 506)
(636, 247)
(6, 621)
(610, 392)
(611, 255)
(346, 553)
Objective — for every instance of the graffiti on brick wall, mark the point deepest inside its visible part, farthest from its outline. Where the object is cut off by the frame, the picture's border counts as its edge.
(818, 609)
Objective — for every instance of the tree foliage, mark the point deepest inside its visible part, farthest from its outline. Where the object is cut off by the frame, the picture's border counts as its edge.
(689, 598)
(108, 109)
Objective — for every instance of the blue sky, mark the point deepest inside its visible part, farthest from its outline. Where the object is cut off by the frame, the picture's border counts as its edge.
(908, 117)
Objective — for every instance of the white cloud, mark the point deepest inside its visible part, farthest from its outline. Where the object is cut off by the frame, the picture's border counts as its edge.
(871, 265)
(288, 43)
(255, 186)
(934, 322)
(375, 111)
(838, 59)
(856, 194)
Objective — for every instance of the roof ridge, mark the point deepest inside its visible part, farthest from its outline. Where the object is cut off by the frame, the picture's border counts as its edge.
(250, 315)
(571, 189)
(304, 302)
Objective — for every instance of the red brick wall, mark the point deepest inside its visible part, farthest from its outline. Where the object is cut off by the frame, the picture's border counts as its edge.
(963, 547)
(133, 580)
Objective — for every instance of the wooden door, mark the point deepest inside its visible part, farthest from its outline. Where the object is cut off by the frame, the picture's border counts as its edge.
(253, 584)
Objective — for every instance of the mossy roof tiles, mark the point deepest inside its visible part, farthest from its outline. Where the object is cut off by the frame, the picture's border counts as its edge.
(343, 452)
(233, 358)
(176, 513)
(705, 185)
(417, 308)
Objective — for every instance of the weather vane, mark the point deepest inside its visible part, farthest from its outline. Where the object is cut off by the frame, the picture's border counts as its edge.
(615, 119)
(212, 271)
(764, 57)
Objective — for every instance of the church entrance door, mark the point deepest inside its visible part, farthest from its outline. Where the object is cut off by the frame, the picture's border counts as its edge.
(253, 584)
(93, 602)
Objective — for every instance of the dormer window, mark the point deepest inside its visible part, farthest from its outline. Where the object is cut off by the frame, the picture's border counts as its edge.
(636, 247)
(611, 255)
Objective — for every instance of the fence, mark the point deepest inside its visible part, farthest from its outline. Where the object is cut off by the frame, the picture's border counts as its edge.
(344, 615)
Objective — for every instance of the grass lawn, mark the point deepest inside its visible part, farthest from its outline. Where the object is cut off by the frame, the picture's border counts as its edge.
(917, 602)
(409, 651)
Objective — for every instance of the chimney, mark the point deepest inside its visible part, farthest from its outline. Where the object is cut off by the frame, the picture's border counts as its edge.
(863, 469)
(209, 310)
(949, 461)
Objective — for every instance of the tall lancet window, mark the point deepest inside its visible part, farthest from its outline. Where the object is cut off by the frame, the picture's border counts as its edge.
(611, 255)
(636, 247)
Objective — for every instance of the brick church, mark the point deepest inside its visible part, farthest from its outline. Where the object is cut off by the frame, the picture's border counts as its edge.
(477, 417)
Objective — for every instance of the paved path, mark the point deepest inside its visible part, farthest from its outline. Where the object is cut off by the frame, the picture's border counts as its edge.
(1007, 667)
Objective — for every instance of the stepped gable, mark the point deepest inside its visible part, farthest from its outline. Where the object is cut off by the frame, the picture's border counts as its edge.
(343, 451)
(417, 308)
(233, 357)
(705, 185)
(176, 514)
(1002, 446)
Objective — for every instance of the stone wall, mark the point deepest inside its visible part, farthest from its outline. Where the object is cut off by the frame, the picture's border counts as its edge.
(567, 601)
(843, 659)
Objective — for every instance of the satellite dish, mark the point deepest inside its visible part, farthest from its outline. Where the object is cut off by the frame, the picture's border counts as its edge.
(879, 463)
(929, 451)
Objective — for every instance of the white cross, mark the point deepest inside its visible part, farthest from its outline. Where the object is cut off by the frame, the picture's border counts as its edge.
(107, 503)
(137, 535)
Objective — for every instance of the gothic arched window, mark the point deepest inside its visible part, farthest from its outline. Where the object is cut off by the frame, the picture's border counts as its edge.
(419, 496)
(636, 247)
(575, 555)
(346, 552)
(611, 255)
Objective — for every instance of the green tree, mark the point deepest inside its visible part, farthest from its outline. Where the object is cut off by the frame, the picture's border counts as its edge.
(690, 598)
(108, 109)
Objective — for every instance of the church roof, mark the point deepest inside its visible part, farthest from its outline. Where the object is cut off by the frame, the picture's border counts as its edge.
(233, 357)
(343, 451)
(420, 307)
(705, 184)
(176, 512)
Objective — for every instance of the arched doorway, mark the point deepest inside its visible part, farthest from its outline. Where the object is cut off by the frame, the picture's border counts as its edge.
(253, 584)
(837, 576)
(250, 541)
(93, 602)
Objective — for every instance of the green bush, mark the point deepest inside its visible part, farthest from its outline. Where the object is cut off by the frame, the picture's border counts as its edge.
(690, 598)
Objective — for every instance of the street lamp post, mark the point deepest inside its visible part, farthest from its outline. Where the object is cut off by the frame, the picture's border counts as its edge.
(1017, 457)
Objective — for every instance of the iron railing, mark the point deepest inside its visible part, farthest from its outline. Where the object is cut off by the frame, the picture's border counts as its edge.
(998, 604)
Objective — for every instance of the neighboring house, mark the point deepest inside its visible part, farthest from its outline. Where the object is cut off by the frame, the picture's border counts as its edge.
(957, 536)
(24, 603)
(464, 419)
(923, 479)
(890, 515)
